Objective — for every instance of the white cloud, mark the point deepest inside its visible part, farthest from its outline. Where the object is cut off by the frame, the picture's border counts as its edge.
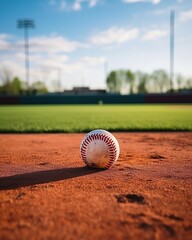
(92, 3)
(136, 1)
(47, 55)
(15, 68)
(52, 44)
(50, 62)
(114, 35)
(47, 44)
(154, 34)
(186, 15)
(50, 69)
(77, 5)
(4, 42)
(48, 65)
(163, 11)
(93, 60)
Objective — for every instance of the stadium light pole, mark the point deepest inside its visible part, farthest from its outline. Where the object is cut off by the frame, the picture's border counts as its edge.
(26, 24)
(172, 19)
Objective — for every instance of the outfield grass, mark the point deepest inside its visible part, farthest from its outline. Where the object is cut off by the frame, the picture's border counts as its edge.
(83, 118)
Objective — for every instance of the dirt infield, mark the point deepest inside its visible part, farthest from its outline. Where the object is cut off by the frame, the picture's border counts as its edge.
(46, 192)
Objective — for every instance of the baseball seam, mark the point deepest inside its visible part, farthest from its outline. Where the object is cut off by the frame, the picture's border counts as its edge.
(106, 139)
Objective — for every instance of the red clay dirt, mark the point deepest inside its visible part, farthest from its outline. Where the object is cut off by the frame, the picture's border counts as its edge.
(46, 192)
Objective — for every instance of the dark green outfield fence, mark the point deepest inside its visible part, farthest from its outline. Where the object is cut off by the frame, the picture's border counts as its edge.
(95, 99)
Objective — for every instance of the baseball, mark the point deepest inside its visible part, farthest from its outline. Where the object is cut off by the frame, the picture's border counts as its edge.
(99, 149)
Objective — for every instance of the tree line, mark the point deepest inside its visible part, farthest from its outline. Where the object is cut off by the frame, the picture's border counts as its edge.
(129, 82)
(118, 81)
(15, 86)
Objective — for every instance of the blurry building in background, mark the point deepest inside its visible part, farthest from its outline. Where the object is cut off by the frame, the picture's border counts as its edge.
(84, 90)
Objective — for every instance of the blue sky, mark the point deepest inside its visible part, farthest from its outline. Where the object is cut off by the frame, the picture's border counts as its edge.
(75, 39)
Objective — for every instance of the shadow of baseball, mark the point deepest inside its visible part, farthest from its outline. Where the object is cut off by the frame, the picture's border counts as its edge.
(40, 177)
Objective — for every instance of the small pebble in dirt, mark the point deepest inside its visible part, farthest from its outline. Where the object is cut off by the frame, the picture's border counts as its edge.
(20, 195)
(173, 217)
(134, 198)
(169, 230)
(43, 163)
(131, 198)
(156, 156)
(145, 225)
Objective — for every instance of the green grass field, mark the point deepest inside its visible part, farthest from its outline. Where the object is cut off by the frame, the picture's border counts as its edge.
(83, 118)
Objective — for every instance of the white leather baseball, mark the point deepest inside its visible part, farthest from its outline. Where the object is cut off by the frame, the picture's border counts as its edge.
(99, 149)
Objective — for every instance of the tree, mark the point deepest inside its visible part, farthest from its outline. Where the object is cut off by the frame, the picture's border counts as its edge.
(38, 88)
(12, 87)
(113, 83)
(15, 86)
(5, 75)
(179, 79)
(142, 79)
(130, 77)
(121, 76)
(5, 79)
(188, 83)
(160, 80)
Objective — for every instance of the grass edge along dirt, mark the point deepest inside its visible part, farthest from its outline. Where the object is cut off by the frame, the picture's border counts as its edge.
(84, 118)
